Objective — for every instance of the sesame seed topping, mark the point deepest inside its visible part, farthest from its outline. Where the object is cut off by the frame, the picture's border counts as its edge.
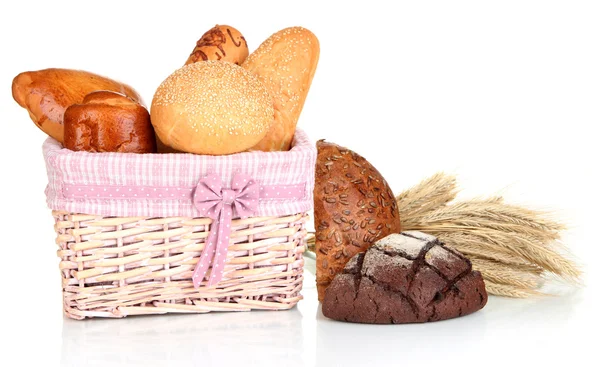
(203, 104)
(286, 63)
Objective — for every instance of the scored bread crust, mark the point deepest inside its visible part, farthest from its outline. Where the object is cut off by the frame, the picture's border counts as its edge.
(353, 208)
(405, 278)
(286, 63)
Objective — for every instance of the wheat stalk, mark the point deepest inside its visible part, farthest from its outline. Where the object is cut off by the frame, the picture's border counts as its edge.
(468, 244)
(513, 247)
(431, 193)
(509, 290)
(489, 213)
(506, 274)
(518, 244)
(541, 255)
(470, 223)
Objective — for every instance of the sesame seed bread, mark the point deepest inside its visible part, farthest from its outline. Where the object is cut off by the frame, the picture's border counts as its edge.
(211, 107)
(354, 207)
(222, 42)
(285, 63)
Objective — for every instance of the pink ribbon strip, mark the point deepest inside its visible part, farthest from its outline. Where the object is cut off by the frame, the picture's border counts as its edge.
(211, 200)
(87, 192)
(218, 203)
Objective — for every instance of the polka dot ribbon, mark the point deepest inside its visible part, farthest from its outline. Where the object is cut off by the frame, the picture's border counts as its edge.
(218, 203)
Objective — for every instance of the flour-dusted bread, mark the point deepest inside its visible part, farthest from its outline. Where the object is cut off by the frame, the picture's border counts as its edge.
(211, 107)
(405, 278)
(354, 207)
(47, 93)
(286, 63)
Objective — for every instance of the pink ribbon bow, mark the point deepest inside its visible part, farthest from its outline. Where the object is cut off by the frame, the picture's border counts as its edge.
(219, 203)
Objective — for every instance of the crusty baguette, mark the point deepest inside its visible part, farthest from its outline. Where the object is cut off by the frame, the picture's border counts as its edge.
(285, 63)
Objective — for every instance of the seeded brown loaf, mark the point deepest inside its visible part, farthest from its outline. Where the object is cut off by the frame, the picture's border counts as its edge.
(211, 107)
(108, 122)
(354, 207)
(405, 278)
(47, 93)
(285, 63)
(222, 42)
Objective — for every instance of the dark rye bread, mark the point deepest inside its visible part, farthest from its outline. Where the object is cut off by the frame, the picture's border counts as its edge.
(405, 278)
(354, 207)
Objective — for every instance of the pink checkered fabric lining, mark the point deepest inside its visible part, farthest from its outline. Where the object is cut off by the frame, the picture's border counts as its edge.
(162, 185)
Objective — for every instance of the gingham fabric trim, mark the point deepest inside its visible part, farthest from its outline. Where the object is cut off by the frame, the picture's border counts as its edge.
(66, 168)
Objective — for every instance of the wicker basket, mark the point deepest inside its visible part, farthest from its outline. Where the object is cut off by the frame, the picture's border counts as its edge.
(115, 265)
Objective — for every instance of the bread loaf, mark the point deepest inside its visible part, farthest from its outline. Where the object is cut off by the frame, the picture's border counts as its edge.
(47, 93)
(211, 107)
(354, 207)
(285, 63)
(222, 42)
(405, 278)
(108, 122)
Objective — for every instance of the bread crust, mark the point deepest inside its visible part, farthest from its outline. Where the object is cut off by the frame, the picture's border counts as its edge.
(286, 63)
(405, 278)
(221, 42)
(107, 121)
(211, 107)
(353, 207)
(47, 93)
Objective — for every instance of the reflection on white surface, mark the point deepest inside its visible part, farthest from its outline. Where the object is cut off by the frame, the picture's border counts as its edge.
(190, 339)
(227, 338)
(491, 332)
(302, 336)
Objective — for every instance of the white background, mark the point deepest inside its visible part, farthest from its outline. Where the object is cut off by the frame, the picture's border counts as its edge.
(505, 94)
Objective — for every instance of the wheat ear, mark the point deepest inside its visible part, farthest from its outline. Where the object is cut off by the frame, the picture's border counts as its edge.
(515, 248)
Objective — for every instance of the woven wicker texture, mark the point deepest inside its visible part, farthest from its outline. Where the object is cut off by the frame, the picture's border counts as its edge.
(120, 266)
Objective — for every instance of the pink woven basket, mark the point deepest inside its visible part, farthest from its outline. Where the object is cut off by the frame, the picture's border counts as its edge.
(161, 233)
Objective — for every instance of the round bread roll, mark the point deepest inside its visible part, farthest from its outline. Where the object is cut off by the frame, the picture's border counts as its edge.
(108, 121)
(211, 107)
(221, 42)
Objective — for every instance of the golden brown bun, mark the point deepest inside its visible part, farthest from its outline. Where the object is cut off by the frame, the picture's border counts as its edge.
(211, 107)
(222, 42)
(285, 63)
(108, 122)
(47, 93)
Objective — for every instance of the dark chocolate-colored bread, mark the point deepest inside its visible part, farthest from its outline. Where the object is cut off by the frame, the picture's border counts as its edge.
(405, 278)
